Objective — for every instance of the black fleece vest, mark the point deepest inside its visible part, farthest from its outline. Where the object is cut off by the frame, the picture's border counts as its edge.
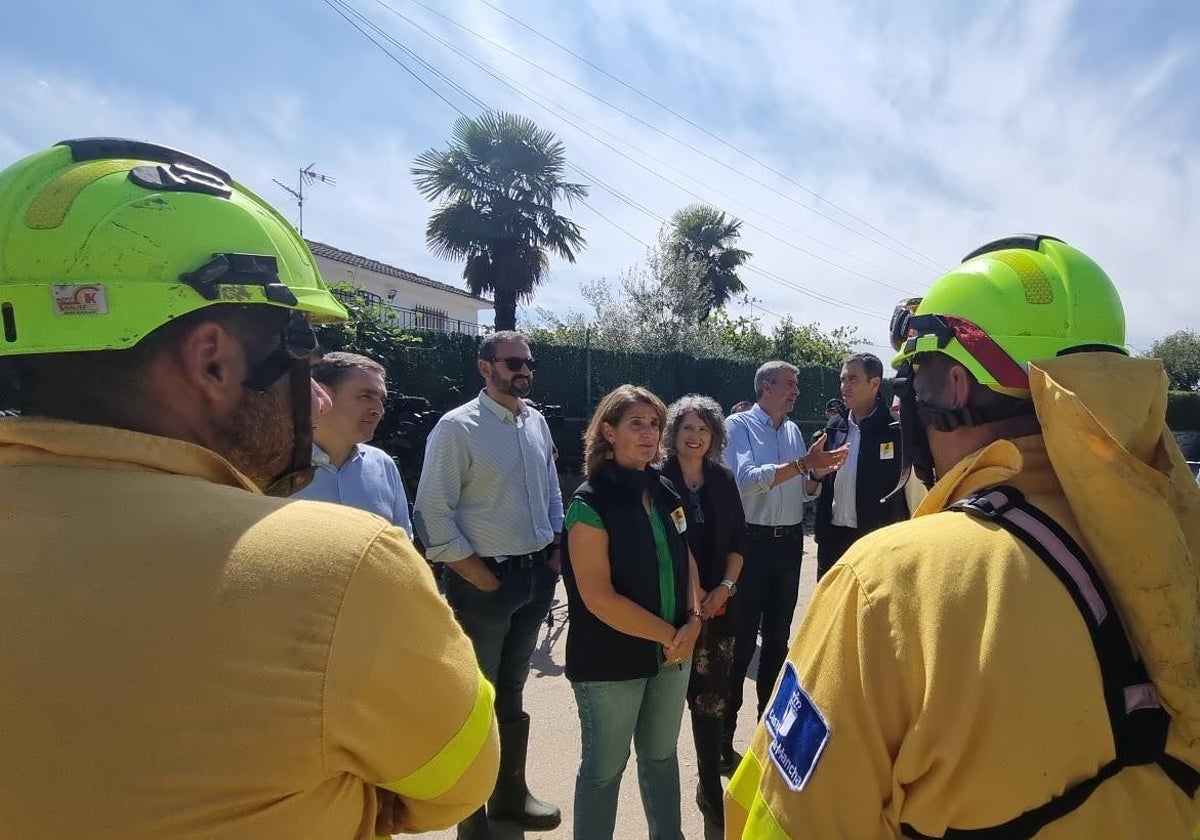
(595, 651)
(876, 475)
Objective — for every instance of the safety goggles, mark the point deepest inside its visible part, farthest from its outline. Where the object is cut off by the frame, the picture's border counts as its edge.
(515, 363)
(297, 342)
(912, 333)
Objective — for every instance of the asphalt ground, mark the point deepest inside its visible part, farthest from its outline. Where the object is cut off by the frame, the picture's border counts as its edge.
(554, 737)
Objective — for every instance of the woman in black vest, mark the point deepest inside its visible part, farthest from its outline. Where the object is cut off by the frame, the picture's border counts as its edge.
(634, 616)
(716, 529)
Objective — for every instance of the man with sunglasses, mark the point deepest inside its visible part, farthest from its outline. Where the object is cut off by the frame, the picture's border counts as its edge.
(488, 507)
(185, 653)
(1022, 657)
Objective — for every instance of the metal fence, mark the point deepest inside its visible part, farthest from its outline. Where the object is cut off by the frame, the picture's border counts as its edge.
(408, 319)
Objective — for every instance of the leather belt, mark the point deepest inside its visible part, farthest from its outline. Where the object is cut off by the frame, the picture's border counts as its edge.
(775, 531)
(516, 561)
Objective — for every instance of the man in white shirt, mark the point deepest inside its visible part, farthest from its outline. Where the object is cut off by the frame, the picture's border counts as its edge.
(489, 508)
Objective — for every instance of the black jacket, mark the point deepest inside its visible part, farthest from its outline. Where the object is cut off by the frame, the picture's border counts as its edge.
(724, 527)
(877, 473)
(596, 651)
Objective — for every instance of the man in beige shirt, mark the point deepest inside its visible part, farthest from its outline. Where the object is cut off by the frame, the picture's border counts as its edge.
(185, 656)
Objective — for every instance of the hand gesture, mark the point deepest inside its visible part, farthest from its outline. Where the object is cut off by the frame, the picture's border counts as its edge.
(821, 462)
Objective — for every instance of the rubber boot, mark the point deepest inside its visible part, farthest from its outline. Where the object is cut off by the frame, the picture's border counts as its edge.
(730, 758)
(512, 799)
(710, 797)
(475, 827)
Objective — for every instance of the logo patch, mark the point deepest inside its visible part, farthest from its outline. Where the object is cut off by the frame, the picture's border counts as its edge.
(80, 300)
(679, 519)
(887, 451)
(799, 732)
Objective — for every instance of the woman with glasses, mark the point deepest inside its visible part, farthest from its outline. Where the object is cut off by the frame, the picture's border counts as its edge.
(634, 616)
(716, 525)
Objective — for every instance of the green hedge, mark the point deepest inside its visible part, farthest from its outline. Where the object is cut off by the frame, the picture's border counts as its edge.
(1183, 411)
(571, 380)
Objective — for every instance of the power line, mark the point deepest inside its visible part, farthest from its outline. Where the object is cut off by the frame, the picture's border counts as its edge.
(557, 111)
(335, 4)
(929, 261)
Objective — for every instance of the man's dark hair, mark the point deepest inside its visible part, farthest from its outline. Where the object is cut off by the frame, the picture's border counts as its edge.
(487, 348)
(332, 368)
(103, 387)
(871, 364)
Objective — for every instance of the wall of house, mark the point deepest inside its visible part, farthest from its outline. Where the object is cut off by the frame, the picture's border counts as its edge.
(438, 303)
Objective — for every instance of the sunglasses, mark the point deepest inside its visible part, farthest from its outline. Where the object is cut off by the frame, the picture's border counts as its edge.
(515, 363)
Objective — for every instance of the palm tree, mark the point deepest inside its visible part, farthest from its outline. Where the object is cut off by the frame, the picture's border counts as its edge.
(497, 184)
(705, 234)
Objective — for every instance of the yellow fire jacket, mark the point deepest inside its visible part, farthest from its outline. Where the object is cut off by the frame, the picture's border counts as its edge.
(184, 657)
(953, 680)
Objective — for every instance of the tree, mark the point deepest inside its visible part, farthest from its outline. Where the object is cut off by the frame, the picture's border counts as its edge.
(655, 307)
(497, 184)
(705, 234)
(370, 329)
(1180, 355)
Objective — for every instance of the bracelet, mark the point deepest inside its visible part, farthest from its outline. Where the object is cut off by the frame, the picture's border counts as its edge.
(801, 465)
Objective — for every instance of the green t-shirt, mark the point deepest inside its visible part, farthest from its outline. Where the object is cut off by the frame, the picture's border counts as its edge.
(581, 511)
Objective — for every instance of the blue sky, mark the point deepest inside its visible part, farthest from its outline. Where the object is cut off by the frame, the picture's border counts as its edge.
(926, 128)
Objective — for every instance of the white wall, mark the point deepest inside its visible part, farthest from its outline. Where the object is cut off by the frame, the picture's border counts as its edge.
(408, 295)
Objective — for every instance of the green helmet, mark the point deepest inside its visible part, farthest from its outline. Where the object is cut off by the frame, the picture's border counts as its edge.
(104, 240)
(1009, 303)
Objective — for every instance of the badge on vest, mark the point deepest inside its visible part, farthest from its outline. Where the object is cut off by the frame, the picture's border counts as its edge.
(798, 730)
(887, 451)
(679, 519)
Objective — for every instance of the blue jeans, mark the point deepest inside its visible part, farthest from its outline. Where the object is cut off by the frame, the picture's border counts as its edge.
(503, 627)
(611, 714)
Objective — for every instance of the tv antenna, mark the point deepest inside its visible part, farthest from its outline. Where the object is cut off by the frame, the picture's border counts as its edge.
(308, 177)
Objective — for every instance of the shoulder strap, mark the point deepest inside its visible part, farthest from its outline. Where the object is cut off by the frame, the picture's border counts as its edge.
(1139, 722)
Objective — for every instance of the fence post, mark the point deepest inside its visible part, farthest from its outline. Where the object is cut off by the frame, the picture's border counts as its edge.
(587, 365)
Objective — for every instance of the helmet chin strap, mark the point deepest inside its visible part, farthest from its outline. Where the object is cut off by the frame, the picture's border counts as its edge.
(918, 416)
(915, 454)
(300, 472)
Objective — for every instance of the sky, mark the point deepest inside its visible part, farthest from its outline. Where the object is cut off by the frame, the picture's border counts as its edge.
(866, 145)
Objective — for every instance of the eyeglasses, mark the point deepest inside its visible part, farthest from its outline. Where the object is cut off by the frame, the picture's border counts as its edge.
(515, 363)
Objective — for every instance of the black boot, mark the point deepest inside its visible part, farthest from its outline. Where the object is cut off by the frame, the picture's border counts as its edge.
(730, 758)
(475, 827)
(512, 799)
(710, 798)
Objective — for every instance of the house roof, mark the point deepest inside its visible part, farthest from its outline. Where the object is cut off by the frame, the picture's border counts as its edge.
(320, 249)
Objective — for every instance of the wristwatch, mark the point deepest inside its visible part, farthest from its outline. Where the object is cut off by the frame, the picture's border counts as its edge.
(730, 585)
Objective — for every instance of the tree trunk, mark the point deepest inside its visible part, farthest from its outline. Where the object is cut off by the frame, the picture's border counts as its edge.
(506, 309)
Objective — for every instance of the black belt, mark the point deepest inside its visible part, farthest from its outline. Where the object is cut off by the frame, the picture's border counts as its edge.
(775, 531)
(516, 561)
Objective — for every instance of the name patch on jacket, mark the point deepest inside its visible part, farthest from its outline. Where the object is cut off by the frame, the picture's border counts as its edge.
(887, 451)
(680, 520)
(799, 732)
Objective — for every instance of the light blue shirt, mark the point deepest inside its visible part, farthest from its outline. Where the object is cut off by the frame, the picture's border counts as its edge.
(489, 485)
(369, 480)
(755, 448)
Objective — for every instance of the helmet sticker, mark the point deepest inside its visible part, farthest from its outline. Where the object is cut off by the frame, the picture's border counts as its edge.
(80, 300)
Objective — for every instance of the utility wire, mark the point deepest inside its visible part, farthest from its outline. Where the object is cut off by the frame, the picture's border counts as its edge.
(557, 111)
(929, 262)
(338, 5)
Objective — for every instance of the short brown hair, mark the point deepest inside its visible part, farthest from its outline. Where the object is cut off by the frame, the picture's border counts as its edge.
(332, 368)
(611, 409)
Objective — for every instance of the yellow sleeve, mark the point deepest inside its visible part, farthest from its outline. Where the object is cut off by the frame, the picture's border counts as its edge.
(846, 662)
(405, 705)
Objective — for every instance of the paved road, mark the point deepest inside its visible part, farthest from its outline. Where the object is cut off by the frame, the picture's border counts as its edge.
(554, 739)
